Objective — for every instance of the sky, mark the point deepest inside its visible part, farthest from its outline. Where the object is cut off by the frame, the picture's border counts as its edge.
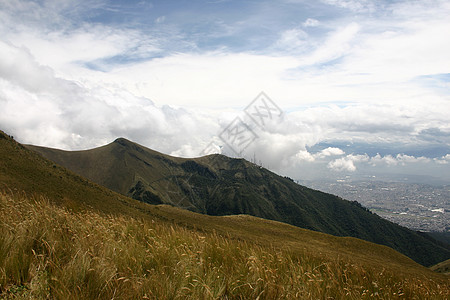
(308, 89)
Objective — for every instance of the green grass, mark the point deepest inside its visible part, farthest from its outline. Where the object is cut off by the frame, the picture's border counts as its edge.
(48, 251)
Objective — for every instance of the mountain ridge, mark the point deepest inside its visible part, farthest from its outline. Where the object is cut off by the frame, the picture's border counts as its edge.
(79, 227)
(24, 171)
(218, 185)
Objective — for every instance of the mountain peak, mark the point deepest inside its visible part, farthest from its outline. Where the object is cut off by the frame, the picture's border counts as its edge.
(124, 142)
(121, 140)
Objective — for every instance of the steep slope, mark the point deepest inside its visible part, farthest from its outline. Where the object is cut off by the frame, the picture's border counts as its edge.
(218, 185)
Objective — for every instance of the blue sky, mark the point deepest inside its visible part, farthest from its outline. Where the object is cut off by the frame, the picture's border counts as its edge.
(352, 75)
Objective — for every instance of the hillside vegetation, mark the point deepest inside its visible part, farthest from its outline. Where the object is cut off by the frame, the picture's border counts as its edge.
(47, 251)
(219, 185)
(442, 267)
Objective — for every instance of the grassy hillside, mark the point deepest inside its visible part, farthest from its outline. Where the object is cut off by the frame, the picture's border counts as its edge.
(81, 240)
(48, 251)
(442, 267)
(218, 185)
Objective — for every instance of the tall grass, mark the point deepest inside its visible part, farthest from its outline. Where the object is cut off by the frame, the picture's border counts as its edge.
(47, 251)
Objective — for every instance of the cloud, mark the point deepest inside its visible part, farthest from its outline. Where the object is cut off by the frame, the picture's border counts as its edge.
(294, 39)
(337, 44)
(399, 159)
(109, 111)
(387, 159)
(17, 65)
(304, 155)
(41, 108)
(347, 163)
(443, 160)
(366, 59)
(46, 15)
(160, 19)
(405, 159)
(232, 78)
(68, 82)
(86, 47)
(342, 164)
(331, 151)
(310, 23)
(353, 5)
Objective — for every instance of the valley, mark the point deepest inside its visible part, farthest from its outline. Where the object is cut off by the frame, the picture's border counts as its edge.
(416, 206)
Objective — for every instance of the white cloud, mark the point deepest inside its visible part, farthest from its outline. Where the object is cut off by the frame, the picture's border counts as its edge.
(292, 40)
(123, 113)
(367, 60)
(311, 23)
(304, 155)
(337, 44)
(387, 123)
(331, 151)
(443, 160)
(347, 163)
(387, 159)
(160, 19)
(17, 65)
(40, 108)
(354, 5)
(405, 159)
(69, 52)
(210, 79)
(399, 159)
(342, 164)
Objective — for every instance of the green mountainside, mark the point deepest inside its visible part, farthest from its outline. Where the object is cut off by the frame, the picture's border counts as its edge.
(65, 237)
(218, 185)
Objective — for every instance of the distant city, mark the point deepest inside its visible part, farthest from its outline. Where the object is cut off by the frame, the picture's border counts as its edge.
(416, 206)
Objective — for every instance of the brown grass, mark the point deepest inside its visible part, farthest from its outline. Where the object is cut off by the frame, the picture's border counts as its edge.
(48, 251)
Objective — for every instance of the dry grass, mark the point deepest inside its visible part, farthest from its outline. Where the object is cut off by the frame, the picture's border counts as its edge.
(47, 251)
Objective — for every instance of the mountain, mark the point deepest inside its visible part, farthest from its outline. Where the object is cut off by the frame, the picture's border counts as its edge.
(218, 185)
(443, 237)
(65, 237)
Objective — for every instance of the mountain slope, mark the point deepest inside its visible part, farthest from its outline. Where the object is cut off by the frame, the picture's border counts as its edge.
(68, 255)
(442, 267)
(71, 248)
(218, 185)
